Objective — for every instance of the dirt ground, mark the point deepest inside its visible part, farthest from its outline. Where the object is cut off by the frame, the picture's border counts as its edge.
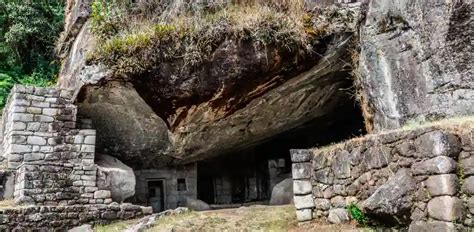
(253, 218)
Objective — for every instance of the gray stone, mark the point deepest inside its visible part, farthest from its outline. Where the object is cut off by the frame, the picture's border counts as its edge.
(304, 202)
(115, 176)
(445, 208)
(338, 216)
(304, 215)
(393, 200)
(468, 185)
(282, 193)
(301, 171)
(377, 157)
(438, 143)
(301, 155)
(302, 187)
(50, 112)
(338, 202)
(445, 184)
(342, 165)
(470, 204)
(36, 140)
(467, 165)
(324, 176)
(437, 165)
(101, 194)
(432, 226)
(322, 203)
(196, 204)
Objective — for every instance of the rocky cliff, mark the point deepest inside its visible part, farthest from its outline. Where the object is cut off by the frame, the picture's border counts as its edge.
(154, 102)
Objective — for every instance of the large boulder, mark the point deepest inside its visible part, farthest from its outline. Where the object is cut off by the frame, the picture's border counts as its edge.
(241, 95)
(196, 204)
(282, 193)
(115, 176)
(391, 203)
(415, 61)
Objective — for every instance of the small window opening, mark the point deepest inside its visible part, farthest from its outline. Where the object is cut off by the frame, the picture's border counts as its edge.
(182, 185)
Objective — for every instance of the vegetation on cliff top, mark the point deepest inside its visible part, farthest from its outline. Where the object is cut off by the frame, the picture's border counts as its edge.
(133, 43)
(28, 31)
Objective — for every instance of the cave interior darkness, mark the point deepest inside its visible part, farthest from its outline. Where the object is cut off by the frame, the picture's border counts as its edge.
(249, 175)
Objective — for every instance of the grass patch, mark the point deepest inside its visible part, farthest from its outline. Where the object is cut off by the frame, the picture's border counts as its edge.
(357, 214)
(134, 43)
(115, 227)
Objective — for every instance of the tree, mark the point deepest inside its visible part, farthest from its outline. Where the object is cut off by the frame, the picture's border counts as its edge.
(28, 32)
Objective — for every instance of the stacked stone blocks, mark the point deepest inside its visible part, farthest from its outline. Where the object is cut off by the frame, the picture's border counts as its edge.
(52, 159)
(420, 178)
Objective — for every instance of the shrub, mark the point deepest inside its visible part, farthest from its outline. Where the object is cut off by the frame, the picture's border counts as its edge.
(357, 214)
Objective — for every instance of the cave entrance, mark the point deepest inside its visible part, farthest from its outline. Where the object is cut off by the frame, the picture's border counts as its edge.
(248, 176)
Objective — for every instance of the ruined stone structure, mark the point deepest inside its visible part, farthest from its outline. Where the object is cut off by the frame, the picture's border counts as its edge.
(420, 178)
(50, 159)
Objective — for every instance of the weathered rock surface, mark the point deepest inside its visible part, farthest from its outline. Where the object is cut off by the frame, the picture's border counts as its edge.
(393, 200)
(415, 61)
(196, 204)
(445, 208)
(242, 96)
(338, 216)
(115, 176)
(282, 193)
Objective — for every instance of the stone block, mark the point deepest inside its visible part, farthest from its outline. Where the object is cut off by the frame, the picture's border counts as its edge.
(302, 187)
(468, 185)
(304, 202)
(304, 215)
(437, 143)
(301, 155)
(377, 157)
(33, 126)
(33, 157)
(467, 165)
(342, 165)
(338, 216)
(437, 165)
(36, 140)
(87, 148)
(322, 204)
(89, 140)
(338, 202)
(33, 110)
(301, 171)
(21, 117)
(432, 226)
(470, 204)
(15, 148)
(325, 176)
(445, 184)
(41, 104)
(42, 118)
(50, 111)
(445, 208)
(18, 126)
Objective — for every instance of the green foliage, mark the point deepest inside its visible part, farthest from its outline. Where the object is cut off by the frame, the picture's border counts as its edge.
(357, 214)
(28, 31)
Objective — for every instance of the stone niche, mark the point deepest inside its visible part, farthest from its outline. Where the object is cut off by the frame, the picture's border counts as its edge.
(47, 160)
(421, 179)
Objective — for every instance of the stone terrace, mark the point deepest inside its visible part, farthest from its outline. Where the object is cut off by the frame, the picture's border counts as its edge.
(421, 178)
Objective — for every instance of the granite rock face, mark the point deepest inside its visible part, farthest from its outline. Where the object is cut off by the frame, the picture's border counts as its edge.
(116, 176)
(415, 61)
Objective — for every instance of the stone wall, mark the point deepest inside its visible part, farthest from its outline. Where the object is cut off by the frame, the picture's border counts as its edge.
(421, 178)
(49, 162)
(170, 176)
(61, 218)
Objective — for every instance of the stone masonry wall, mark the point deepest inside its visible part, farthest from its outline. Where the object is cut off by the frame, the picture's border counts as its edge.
(52, 162)
(61, 218)
(421, 178)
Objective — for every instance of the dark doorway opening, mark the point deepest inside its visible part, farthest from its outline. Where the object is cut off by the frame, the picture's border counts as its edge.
(156, 195)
